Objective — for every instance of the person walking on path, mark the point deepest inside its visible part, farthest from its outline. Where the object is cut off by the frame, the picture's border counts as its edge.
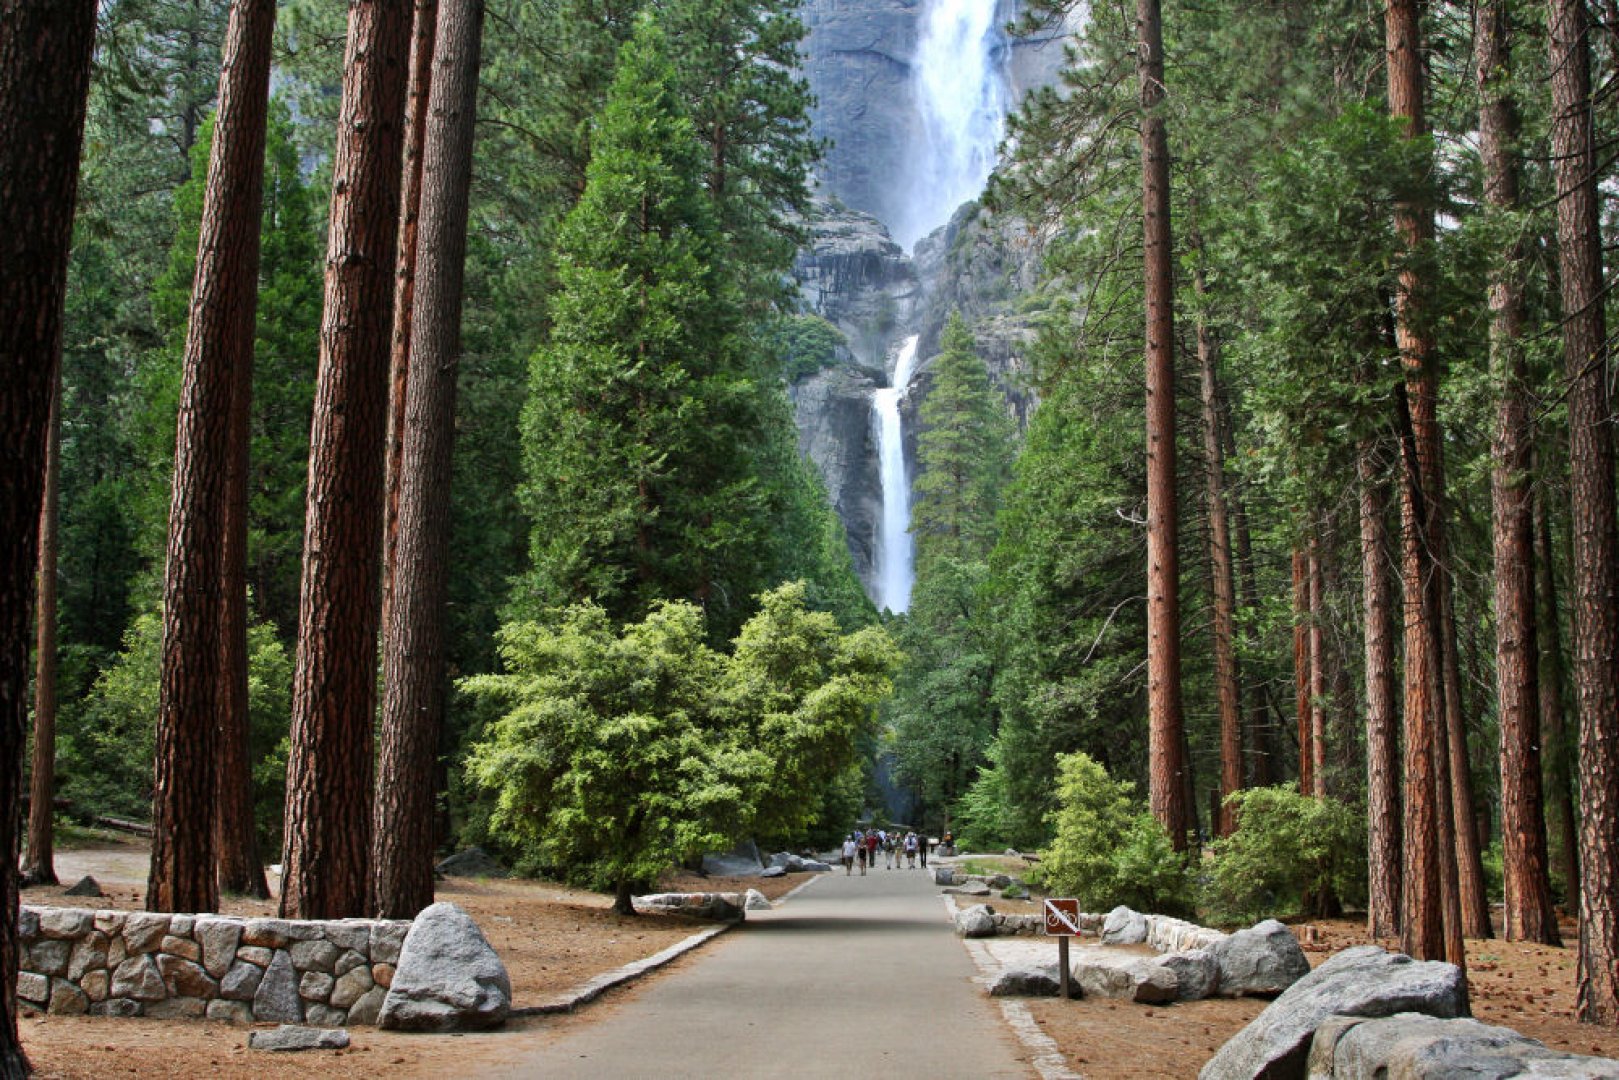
(910, 850)
(922, 848)
(871, 848)
(860, 853)
(849, 846)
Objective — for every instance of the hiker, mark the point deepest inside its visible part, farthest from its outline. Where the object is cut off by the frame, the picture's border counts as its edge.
(910, 850)
(849, 846)
(871, 848)
(922, 848)
(861, 850)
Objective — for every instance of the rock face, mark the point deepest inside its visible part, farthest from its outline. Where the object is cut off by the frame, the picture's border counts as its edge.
(1359, 982)
(448, 978)
(859, 58)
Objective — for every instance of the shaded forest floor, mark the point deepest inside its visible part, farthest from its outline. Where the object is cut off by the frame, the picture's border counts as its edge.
(552, 938)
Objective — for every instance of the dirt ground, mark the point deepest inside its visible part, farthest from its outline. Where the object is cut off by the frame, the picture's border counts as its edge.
(552, 937)
(1526, 987)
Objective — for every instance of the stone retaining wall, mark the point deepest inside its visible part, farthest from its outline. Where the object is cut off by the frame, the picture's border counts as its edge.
(136, 963)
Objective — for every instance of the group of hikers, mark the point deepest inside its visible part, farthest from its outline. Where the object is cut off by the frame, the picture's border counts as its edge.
(862, 847)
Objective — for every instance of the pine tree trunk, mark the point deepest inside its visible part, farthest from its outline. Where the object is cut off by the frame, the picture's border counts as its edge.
(1301, 669)
(39, 868)
(1382, 733)
(1317, 630)
(1227, 680)
(45, 52)
(1560, 819)
(327, 848)
(239, 869)
(1166, 735)
(422, 35)
(413, 648)
(1255, 735)
(219, 338)
(1596, 538)
(1529, 913)
(1429, 930)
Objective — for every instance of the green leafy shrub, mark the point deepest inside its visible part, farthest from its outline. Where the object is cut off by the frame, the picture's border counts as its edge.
(1107, 850)
(1290, 854)
(806, 344)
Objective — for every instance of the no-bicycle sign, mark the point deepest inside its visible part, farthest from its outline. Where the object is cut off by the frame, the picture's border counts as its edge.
(1062, 918)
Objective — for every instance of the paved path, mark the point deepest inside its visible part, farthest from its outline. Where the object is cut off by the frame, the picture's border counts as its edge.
(852, 976)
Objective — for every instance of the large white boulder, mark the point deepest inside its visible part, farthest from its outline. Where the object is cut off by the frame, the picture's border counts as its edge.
(1418, 1047)
(449, 978)
(1263, 959)
(1364, 981)
(1124, 927)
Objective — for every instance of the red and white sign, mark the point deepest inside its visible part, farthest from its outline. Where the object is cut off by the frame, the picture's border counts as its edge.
(1062, 918)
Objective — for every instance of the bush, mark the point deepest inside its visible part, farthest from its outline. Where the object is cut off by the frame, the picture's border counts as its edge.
(1291, 854)
(1108, 850)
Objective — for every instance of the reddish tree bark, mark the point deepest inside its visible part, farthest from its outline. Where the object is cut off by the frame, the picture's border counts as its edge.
(1382, 735)
(1529, 913)
(1227, 680)
(1473, 900)
(1301, 669)
(1560, 819)
(39, 867)
(1431, 924)
(45, 51)
(1596, 537)
(413, 646)
(219, 338)
(1165, 724)
(423, 31)
(327, 849)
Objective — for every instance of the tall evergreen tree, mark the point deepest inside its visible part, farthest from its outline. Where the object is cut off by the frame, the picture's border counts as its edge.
(643, 404)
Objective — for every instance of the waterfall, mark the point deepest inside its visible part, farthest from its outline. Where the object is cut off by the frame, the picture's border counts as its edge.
(961, 95)
(894, 552)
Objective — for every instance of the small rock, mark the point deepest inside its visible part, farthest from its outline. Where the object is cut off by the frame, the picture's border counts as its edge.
(33, 988)
(85, 886)
(277, 996)
(241, 982)
(325, 1016)
(117, 1007)
(814, 866)
(313, 955)
(95, 985)
(1025, 982)
(977, 921)
(970, 888)
(111, 922)
(182, 947)
(352, 934)
(757, 901)
(347, 963)
(773, 872)
(383, 973)
(315, 986)
(219, 939)
(351, 987)
(27, 924)
(296, 1037)
(256, 954)
(143, 931)
(65, 924)
(1124, 927)
(186, 978)
(49, 957)
(365, 1011)
(944, 875)
(180, 925)
(67, 999)
(90, 954)
(267, 933)
(387, 938)
(1197, 974)
(178, 1008)
(139, 978)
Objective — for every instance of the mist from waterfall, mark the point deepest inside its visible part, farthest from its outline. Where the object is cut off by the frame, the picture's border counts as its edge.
(962, 98)
(895, 551)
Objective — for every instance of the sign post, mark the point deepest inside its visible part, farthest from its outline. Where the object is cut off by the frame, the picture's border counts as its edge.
(1062, 923)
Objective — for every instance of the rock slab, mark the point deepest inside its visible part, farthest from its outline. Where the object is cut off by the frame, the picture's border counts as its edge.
(296, 1037)
(1364, 981)
(1263, 959)
(449, 977)
(1418, 1047)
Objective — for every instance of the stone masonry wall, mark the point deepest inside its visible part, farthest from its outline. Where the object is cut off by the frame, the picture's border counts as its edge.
(136, 963)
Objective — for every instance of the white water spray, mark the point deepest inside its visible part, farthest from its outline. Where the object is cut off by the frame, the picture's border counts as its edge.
(895, 551)
(961, 94)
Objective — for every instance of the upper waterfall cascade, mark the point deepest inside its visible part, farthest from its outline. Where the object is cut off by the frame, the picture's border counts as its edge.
(962, 97)
(895, 552)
